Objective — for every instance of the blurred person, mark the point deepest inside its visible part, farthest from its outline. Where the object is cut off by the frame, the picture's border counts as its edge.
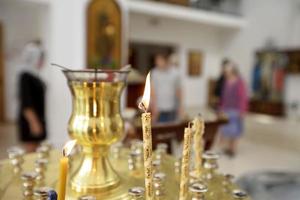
(234, 104)
(166, 98)
(220, 82)
(31, 93)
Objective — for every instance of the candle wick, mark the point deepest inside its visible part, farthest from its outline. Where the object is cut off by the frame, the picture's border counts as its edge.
(142, 106)
(64, 152)
(189, 124)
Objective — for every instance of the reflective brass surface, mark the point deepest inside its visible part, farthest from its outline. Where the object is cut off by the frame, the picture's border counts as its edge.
(11, 188)
(95, 123)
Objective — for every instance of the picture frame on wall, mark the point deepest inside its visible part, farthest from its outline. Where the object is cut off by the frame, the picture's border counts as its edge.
(195, 62)
(104, 34)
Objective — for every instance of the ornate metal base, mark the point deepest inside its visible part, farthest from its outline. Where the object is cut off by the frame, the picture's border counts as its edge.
(118, 193)
(95, 173)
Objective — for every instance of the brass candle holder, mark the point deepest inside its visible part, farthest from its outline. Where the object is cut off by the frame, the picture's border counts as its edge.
(177, 167)
(227, 183)
(47, 144)
(15, 154)
(161, 150)
(116, 150)
(210, 164)
(156, 166)
(43, 152)
(198, 191)
(87, 197)
(136, 193)
(159, 185)
(137, 147)
(43, 193)
(239, 194)
(40, 168)
(133, 161)
(28, 179)
(96, 124)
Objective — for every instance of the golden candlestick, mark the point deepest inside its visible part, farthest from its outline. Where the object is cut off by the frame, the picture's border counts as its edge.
(95, 123)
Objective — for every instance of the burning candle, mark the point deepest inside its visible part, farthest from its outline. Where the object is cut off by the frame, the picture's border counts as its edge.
(185, 164)
(147, 140)
(198, 128)
(63, 169)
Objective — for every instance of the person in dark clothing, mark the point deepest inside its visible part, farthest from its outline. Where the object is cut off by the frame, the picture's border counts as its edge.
(31, 120)
(220, 82)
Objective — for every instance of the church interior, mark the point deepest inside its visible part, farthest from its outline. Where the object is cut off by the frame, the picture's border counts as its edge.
(209, 85)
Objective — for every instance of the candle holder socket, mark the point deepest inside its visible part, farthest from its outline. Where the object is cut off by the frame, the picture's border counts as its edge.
(156, 166)
(137, 145)
(87, 197)
(161, 150)
(227, 182)
(43, 193)
(239, 194)
(43, 152)
(134, 161)
(210, 164)
(159, 184)
(177, 167)
(28, 179)
(15, 154)
(136, 193)
(40, 168)
(116, 150)
(197, 191)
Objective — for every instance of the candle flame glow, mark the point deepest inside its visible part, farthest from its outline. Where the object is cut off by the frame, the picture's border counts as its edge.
(68, 147)
(144, 104)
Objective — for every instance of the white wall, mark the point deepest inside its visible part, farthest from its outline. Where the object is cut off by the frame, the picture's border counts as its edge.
(185, 36)
(22, 22)
(278, 20)
(292, 95)
(268, 19)
(294, 35)
(67, 22)
(61, 26)
(265, 19)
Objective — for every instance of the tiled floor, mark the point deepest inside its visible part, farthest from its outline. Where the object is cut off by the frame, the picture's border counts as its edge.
(268, 143)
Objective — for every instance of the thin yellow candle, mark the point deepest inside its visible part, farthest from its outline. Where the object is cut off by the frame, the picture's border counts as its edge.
(198, 128)
(63, 169)
(147, 140)
(185, 164)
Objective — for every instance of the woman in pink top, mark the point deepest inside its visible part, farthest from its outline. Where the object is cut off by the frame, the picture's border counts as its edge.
(234, 104)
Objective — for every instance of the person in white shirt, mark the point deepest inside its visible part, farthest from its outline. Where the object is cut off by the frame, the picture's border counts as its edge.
(166, 91)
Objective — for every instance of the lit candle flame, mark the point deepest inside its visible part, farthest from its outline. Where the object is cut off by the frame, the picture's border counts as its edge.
(68, 147)
(144, 104)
